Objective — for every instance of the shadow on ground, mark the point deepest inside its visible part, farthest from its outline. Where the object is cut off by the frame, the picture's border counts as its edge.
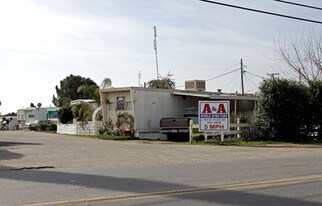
(8, 144)
(141, 186)
(8, 155)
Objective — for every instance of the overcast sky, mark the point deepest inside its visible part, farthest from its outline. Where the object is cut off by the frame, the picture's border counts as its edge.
(44, 41)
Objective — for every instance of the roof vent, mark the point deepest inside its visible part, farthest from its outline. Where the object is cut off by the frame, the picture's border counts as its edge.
(195, 85)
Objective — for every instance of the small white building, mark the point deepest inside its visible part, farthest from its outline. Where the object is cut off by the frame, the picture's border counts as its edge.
(148, 106)
(91, 102)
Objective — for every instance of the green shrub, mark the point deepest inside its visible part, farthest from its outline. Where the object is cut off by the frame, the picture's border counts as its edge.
(65, 114)
(43, 127)
(283, 109)
(198, 138)
(107, 127)
(52, 127)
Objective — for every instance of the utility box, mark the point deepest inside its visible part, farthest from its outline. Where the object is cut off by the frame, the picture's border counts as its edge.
(195, 85)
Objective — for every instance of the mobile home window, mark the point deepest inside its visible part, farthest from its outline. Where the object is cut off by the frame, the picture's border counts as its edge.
(120, 103)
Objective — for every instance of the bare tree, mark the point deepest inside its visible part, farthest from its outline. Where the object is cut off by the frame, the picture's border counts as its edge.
(303, 56)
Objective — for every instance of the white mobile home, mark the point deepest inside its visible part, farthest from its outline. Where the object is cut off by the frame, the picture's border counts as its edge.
(31, 114)
(148, 106)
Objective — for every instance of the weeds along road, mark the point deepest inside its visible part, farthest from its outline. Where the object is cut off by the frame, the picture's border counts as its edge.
(50, 169)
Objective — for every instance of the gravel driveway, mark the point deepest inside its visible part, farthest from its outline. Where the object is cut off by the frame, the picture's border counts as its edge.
(25, 149)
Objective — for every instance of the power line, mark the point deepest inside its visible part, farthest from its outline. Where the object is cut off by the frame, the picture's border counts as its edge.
(234, 79)
(232, 86)
(250, 81)
(222, 75)
(198, 75)
(264, 12)
(297, 4)
(254, 75)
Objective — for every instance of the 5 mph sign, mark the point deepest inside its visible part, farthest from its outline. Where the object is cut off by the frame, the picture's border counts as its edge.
(214, 116)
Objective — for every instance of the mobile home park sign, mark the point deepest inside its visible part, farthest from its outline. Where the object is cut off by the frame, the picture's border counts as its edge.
(214, 116)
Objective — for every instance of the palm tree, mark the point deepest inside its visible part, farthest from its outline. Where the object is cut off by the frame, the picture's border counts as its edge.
(88, 90)
(83, 112)
(164, 83)
(106, 83)
(93, 92)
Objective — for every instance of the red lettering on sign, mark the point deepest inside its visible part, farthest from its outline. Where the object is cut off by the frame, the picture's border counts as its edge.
(216, 126)
(221, 109)
(206, 109)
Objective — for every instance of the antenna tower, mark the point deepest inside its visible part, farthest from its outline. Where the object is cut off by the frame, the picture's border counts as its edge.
(156, 50)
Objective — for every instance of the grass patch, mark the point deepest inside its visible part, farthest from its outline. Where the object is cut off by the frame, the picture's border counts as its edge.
(114, 137)
(318, 141)
(106, 137)
(240, 143)
(254, 143)
(83, 136)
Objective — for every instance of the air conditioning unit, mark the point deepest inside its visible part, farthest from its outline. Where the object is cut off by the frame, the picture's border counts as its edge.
(195, 85)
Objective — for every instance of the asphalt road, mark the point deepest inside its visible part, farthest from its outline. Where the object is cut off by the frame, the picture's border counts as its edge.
(49, 169)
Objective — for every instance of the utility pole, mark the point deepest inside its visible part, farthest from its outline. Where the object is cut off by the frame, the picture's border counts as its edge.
(156, 50)
(242, 75)
(272, 75)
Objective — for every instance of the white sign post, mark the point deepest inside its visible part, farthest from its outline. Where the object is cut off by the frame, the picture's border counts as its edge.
(214, 116)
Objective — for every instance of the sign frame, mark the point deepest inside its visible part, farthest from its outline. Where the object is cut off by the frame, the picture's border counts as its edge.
(214, 116)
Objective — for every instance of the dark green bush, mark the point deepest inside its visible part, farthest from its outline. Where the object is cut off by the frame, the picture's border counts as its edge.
(43, 127)
(65, 114)
(52, 127)
(285, 110)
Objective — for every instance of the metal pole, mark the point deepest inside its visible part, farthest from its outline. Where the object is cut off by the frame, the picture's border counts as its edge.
(140, 78)
(221, 136)
(190, 130)
(156, 50)
(242, 75)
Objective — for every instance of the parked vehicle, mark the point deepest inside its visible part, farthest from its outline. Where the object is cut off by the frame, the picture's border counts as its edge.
(35, 125)
(177, 128)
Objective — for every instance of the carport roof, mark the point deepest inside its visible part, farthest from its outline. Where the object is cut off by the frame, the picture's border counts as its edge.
(216, 95)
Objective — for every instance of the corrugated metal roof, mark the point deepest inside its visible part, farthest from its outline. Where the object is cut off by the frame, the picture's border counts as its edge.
(211, 95)
(208, 95)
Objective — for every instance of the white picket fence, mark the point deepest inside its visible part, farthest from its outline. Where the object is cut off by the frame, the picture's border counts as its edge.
(79, 128)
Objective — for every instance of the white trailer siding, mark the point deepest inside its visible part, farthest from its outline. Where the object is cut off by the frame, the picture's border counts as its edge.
(33, 114)
(151, 105)
(109, 104)
(148, 106)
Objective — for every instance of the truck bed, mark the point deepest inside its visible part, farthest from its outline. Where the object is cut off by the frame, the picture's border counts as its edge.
(174, 125)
